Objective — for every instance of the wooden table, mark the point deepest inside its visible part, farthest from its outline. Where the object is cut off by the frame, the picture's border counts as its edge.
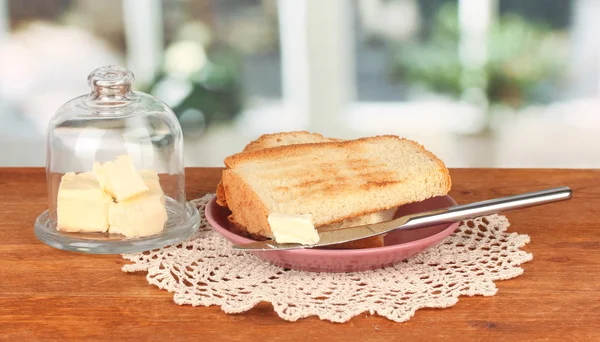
(51, 294)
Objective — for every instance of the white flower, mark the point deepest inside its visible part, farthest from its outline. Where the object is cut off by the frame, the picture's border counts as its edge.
(184, 58)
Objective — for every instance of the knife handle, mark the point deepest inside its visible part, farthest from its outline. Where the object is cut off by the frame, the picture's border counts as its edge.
(493, 206)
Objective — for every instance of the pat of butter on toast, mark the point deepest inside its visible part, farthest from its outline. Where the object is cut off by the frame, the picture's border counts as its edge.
(292, 228)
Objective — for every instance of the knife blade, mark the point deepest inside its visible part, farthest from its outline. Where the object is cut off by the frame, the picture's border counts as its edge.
(419, 220)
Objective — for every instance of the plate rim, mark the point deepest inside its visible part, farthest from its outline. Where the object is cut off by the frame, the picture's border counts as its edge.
(451, 227)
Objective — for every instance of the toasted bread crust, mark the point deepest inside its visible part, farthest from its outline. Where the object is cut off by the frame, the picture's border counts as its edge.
(275, 139)
(254, 221)
(441, 166)
(221, 198)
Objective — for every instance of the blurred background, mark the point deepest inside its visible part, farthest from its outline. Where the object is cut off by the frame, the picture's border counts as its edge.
(481, 83)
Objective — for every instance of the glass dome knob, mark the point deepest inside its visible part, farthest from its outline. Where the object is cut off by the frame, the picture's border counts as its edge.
(111, 82)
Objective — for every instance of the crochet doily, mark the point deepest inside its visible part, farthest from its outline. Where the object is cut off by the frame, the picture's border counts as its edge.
(206, 271)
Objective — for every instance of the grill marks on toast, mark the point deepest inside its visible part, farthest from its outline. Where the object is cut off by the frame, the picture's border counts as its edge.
(329, 177)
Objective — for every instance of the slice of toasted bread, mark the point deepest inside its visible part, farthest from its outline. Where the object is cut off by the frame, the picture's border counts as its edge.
(332, 181)
(286, 138)
(303, 137)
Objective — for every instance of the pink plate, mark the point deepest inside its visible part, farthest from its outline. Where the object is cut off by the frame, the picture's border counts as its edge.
(399, 245)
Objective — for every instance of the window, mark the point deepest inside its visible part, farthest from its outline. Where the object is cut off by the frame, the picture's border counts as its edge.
(472, 80)
(211, 61)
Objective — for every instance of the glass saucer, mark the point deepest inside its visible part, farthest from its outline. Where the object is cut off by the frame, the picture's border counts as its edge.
(178, 228)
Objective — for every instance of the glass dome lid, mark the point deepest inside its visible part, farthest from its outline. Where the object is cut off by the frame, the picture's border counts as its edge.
(115, 171)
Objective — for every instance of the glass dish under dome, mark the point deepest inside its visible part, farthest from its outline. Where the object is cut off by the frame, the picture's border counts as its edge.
(115, 172)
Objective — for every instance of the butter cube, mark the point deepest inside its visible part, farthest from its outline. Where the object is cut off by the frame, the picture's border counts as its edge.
(82, 205)
(119, 178)
(150, 178)
(143, 215)
(292, 228)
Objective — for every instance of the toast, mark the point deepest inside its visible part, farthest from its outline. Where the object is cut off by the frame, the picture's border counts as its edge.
(286, 138)
(274, 140)
(303, 137)
(333, 181)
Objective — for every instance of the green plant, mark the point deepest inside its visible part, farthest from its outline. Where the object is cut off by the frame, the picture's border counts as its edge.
(524, 60)
(215, 91)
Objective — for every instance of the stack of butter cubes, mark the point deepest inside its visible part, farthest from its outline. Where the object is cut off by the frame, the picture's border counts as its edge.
(114, 198)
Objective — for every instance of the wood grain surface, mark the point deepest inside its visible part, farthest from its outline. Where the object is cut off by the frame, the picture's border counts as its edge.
(47, 294)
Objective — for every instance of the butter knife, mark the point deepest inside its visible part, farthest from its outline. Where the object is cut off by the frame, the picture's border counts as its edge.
(420, 220)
